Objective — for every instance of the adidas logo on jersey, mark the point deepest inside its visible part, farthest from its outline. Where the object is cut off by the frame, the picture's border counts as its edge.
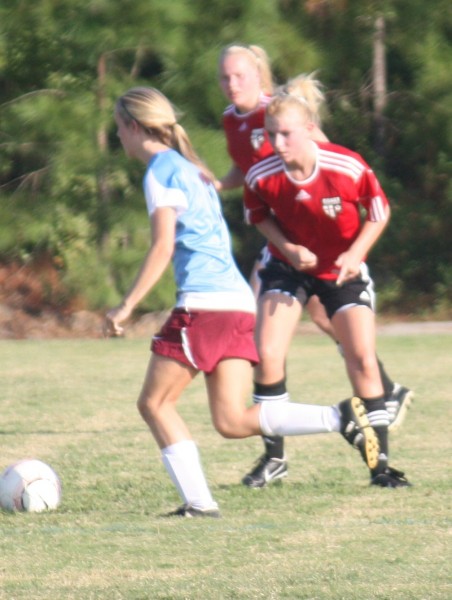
(243, 127)
(303, 195)
(332, 206)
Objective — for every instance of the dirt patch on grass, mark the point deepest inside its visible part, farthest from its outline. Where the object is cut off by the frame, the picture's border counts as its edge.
(33, 306)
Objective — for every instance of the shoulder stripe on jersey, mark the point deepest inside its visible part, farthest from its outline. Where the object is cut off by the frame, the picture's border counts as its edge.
(264, 168)
(229, 109)
(377, 209)
(341, 163)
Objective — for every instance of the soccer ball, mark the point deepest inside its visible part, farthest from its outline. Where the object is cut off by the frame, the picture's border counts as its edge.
(29, 485)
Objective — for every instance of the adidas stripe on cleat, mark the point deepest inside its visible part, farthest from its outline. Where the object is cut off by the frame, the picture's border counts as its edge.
(356, 429)
(398, 404)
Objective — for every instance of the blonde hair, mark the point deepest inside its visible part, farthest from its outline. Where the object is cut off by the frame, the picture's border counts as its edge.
(303, 91)
(258, 58)
(158, 117)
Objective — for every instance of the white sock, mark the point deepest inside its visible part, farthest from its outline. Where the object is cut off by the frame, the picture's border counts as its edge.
(291, 418)
(182, 462)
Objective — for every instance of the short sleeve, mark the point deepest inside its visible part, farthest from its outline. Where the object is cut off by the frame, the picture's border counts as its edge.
(372, 196)
(256, 210)
(158, 195)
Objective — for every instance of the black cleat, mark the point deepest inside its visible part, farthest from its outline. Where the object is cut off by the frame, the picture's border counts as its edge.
(266, 470)
(190, 512)
(397, 405)
(356, 429)
(390, 478)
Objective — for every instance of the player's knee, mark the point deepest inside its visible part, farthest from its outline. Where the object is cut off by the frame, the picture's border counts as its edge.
(269, 354)
(146, 408)
(364, 363)
(227, 427)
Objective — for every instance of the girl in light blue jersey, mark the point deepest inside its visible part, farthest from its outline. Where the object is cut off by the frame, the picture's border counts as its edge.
(211, 327)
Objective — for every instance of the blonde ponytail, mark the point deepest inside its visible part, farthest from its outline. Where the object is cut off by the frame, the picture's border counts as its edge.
(155, 113)
(309, 88)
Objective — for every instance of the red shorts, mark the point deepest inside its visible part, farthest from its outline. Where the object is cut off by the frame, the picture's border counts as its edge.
(203, 338)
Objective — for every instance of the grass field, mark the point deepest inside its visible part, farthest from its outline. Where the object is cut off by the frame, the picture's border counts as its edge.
(321, 534)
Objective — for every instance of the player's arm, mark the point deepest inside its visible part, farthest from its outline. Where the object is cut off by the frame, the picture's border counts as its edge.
(163, 228)
(349, 262)
(233, 179)
(300, 257)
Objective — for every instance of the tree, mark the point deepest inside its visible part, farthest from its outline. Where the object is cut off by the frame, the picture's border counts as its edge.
(67, 190)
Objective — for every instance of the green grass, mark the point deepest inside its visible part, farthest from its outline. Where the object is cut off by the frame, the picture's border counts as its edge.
(322, 534)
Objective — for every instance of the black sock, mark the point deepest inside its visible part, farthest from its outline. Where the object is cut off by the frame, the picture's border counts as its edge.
(275, 392)
(379, 420)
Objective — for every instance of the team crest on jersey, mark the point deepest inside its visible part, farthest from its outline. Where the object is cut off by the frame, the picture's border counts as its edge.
(332, 206)
(257, 138)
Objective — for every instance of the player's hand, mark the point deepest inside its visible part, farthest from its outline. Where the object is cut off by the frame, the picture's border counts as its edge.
(113, 319)
(301, 258)
(348, 266)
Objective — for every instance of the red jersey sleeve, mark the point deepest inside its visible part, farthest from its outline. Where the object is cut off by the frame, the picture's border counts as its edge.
(372, 196)
(255, 209)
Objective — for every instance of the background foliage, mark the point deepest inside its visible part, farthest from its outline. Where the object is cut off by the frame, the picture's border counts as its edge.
(68, 192)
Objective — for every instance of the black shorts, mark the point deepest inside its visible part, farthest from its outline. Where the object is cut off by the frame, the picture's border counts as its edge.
(278, 276)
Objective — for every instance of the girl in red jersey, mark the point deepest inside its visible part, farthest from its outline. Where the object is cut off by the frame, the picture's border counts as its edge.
(307, 200)
(246, 81)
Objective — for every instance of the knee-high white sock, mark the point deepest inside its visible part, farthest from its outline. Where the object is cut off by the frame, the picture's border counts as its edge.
(291, 418)
(182, 462)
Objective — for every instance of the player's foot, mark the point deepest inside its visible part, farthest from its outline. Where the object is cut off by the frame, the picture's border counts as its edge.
(390, 478)
(266, 470)
(356, 429)
(190, 512)
(397, 405)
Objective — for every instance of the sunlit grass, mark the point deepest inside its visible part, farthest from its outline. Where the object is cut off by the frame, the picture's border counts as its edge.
(321, 534)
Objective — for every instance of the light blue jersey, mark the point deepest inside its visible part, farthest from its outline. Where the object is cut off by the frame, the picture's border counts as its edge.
(207, 276)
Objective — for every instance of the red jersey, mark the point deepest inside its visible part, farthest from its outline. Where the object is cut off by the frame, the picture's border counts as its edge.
(246, 137)
(322, 212)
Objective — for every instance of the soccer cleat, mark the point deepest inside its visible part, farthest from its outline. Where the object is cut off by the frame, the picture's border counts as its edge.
(390, 478)
(266, 470)
(356, 429)
(397, 405)
(190, 512)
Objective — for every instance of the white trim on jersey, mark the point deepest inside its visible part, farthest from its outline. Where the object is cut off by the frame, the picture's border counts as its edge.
(341, 163)
(158, 196)
(235, 301)
(377, 209)
(269, 166)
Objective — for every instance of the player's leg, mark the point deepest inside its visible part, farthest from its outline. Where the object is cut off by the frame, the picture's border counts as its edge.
(227, 388)
(278, 316)
(319, 317)
(355, 328)
(398, 398)
(165, 380)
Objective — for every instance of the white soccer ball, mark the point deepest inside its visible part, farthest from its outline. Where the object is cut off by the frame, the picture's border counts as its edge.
(29, 485)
